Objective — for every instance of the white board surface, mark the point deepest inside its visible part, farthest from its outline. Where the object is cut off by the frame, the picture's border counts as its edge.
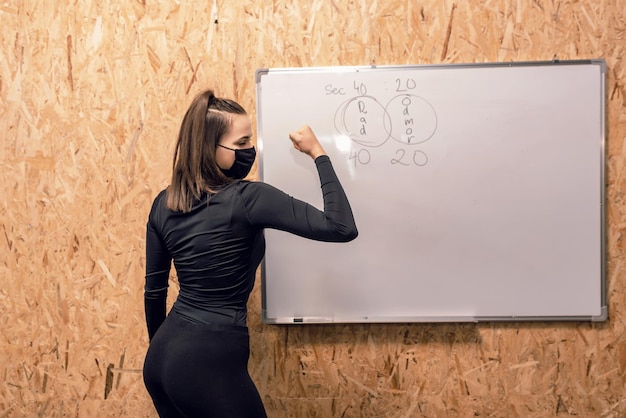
(478, 192)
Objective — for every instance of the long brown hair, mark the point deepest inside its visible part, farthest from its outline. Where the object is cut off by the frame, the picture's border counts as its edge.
(195, 170)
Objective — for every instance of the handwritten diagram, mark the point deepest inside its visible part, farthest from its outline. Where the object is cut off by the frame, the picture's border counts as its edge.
(406, 118)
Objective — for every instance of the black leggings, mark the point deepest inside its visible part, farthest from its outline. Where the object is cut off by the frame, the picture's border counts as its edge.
(198, 370)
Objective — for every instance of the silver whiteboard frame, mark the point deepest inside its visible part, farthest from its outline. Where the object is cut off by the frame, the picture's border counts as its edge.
(259, 73)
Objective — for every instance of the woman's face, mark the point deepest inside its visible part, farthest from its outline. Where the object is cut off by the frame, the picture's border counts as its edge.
(238, 137)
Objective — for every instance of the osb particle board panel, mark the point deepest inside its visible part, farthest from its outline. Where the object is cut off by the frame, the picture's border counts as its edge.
(91, 96)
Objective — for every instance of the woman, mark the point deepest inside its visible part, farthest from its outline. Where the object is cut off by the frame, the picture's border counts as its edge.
(210, 222)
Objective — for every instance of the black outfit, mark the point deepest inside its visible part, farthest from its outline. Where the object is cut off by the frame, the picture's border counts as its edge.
(196, 365)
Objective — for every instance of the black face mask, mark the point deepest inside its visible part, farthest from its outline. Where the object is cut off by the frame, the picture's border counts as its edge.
(244, 159)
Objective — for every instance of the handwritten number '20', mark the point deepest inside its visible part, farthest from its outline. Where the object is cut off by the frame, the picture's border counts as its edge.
(419, 158)
(409, 84)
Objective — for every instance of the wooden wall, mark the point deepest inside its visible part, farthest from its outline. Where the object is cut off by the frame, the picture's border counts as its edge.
(91, 96)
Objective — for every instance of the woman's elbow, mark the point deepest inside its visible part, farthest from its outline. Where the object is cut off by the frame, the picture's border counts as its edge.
(349, 233)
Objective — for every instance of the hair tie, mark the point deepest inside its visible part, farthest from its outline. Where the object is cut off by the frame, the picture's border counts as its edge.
(210, 101)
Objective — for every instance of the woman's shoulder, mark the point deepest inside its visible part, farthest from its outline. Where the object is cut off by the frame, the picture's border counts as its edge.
(159, 201)
(247, 187)
(160, 198)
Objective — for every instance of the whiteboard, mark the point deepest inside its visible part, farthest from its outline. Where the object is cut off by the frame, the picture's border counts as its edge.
(478, 192)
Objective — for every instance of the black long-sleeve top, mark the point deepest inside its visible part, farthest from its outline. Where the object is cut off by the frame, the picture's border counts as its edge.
(218, 245)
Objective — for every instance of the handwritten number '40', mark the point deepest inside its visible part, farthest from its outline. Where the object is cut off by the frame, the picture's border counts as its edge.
(361, 156)
(360, 88)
